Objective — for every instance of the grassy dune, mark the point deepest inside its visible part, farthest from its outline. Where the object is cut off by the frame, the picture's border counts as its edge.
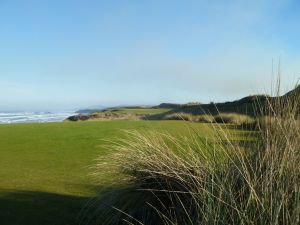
(118, 114)
(44, 167)
(142, 110)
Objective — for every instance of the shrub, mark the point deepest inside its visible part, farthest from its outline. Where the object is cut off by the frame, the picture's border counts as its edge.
(233, 118)
(179, 116)
(205, 118)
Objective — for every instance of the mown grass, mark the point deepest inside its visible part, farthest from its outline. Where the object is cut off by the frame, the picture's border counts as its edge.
(44, 167)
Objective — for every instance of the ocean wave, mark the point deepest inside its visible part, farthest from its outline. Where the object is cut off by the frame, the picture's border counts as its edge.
(40, 117)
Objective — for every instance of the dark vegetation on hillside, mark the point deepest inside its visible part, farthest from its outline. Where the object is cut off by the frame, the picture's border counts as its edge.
(175, 106)
(246, 105)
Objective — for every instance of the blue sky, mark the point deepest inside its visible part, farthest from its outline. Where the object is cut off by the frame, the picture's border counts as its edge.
(61, 54)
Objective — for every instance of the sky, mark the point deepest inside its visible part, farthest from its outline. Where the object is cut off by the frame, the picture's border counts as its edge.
(70, 54)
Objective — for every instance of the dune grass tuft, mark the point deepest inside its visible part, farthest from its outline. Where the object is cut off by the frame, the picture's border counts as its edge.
(228, 118)
(233, 118)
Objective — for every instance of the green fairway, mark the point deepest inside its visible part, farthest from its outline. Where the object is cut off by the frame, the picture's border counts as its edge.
(44, 167)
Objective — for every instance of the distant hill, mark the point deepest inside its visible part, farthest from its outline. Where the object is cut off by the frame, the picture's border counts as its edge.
(103, 108)
(246, 105)
(84, 111)
(175, 106)
(294, 92)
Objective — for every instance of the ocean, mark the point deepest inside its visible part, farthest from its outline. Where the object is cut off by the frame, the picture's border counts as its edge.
(33, 117)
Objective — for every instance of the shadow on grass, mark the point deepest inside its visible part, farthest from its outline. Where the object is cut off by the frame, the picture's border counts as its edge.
(39, 208)
(124, 205)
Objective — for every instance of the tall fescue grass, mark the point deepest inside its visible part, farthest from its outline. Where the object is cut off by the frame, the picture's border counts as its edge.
(233, 118)
(196, 180)
(228, 118)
